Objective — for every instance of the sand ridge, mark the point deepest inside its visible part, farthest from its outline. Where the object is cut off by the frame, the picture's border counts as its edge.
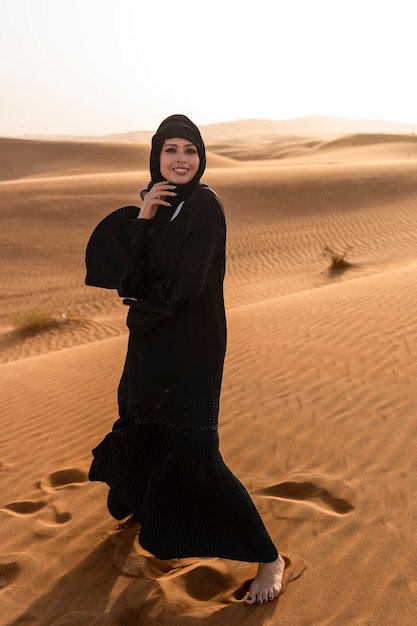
(318, 404)
(22, 158)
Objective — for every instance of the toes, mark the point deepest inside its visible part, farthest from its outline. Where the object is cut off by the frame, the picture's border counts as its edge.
(274, 592)
(262, 597)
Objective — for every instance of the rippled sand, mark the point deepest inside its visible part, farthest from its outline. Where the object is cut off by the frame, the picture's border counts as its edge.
(318, 412)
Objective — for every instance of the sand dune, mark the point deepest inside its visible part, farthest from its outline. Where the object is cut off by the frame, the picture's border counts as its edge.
(358, 147)
(21, 158)
(249, 129)
(319, 397)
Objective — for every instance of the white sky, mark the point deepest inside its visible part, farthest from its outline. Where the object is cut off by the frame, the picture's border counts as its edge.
(103, 66)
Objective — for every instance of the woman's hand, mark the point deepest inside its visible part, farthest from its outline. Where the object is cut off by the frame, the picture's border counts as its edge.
(156, 197)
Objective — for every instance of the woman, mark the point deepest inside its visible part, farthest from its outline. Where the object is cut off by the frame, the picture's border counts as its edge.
(161, 460)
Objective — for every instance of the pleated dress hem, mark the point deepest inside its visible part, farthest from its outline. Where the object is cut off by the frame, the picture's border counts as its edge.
(177, 486)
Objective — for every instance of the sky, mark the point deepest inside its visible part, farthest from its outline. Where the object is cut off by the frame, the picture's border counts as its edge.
(94, 67)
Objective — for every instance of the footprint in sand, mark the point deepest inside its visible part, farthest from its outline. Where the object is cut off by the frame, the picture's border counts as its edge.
(8, 573)
(52, 517)
(49, 515)
(71, 477)
(24, 508)
(313, 492)
(205, 583)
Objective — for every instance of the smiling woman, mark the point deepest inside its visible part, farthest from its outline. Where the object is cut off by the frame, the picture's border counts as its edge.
(162, 460)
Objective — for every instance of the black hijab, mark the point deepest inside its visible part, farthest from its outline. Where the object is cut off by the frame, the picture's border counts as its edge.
(176, 126)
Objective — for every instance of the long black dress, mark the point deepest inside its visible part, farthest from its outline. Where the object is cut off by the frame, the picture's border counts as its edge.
(162, 460)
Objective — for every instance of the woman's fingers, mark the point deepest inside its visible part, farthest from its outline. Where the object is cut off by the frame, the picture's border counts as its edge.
(159, 192)
(156, 197)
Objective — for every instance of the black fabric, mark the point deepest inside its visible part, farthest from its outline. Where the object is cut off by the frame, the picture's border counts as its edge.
(161, 460)
(106, 255)
(176, 319)
(185, 498)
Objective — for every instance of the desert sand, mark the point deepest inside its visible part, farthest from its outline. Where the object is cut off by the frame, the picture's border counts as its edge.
(319, 401)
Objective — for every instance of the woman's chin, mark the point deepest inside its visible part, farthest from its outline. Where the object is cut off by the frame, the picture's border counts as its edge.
(179, 180)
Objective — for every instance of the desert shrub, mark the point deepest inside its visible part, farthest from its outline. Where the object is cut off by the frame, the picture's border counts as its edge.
(35, 321)
(338, 261)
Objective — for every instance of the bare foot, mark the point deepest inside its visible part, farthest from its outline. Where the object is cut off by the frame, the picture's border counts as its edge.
(267, 583)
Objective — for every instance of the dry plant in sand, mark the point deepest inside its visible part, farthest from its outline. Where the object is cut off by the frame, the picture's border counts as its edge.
(35, 321)
(338, 261)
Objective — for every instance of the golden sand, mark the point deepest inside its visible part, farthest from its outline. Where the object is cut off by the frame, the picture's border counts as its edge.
(319, 402)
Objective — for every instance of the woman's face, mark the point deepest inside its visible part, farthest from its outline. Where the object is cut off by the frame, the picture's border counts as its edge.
(179, 160)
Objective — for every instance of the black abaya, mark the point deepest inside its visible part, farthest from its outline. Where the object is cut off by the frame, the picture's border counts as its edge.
(162, 460)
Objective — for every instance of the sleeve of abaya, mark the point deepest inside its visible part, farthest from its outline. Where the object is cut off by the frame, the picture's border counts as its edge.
(134, 277)
(116, 249)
